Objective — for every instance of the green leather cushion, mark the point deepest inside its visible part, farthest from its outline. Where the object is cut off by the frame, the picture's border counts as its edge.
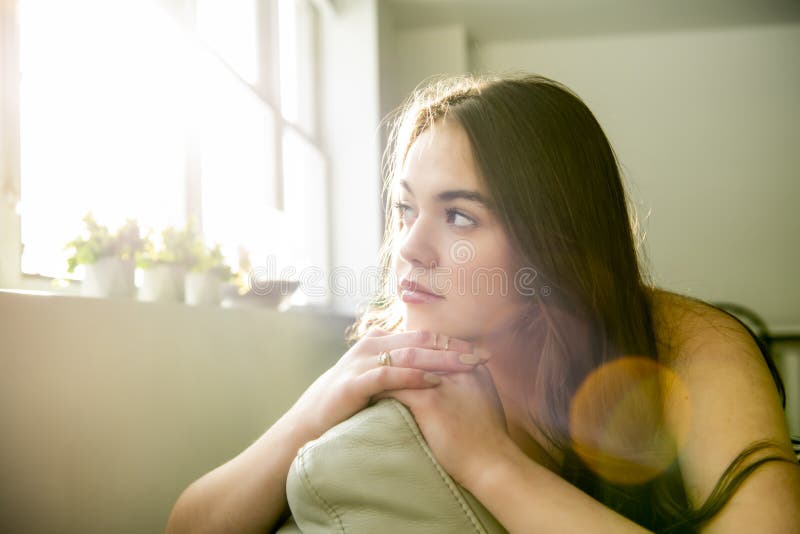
(375, 473)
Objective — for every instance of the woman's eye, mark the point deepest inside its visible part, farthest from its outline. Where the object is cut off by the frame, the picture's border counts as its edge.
(456, 218)
(402, 210)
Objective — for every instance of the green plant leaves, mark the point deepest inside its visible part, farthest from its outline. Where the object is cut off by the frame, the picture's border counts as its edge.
(97, 242)
(184, 247)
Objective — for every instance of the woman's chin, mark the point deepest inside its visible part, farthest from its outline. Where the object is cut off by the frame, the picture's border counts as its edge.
(474, 331)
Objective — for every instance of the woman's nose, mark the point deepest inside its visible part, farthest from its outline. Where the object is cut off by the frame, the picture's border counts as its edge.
(417, 246)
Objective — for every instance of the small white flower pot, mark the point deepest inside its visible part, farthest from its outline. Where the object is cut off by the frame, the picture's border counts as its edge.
(202, 288)
(162, 283)
(109, 278)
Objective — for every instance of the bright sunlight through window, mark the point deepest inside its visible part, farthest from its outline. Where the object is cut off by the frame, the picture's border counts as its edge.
(128, 113)
(102, 119)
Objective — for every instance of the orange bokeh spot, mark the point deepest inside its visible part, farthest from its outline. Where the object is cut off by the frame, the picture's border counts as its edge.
(629, 419)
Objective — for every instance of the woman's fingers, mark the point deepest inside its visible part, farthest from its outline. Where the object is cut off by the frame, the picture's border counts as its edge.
(434, 360)
(376, 332)
(423, 339)
(384, 378)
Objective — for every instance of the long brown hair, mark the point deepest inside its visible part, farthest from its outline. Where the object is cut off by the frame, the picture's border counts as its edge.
(556, 187)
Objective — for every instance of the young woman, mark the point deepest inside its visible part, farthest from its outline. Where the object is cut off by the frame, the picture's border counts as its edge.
(547, 374)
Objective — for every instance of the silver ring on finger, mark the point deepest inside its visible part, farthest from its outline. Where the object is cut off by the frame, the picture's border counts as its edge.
(447, 343)
(385, 359)
(435, 341)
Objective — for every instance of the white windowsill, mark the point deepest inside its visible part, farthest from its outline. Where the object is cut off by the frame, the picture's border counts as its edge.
(304, 310)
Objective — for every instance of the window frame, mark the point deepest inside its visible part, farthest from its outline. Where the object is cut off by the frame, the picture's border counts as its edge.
(266, 89)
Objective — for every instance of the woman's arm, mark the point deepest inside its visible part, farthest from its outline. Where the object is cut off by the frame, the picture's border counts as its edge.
(526, 497)
(246, 494)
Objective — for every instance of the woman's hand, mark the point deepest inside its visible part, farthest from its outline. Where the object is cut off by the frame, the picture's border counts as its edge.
(462, 421)
(357, 377)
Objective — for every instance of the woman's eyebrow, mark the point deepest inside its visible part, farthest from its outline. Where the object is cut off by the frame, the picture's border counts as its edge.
(465, 194)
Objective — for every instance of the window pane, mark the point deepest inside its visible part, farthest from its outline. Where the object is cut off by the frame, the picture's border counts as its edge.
(306, 212)
(101, 125)
(237, 143)
(297, 62)
(230, 29)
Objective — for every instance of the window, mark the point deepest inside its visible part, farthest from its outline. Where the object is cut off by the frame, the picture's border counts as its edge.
(141, 109)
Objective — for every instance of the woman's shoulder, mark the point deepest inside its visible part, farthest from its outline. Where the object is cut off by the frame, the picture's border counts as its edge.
(713, 356)
(729, 399)
(690, 331)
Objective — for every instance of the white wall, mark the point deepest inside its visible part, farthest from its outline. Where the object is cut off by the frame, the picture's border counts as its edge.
(705, 125)
(419, 53)
(411, 55)
(110, 408)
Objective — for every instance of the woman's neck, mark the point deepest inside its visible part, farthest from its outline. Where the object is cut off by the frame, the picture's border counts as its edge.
(514, 366)
(513, 369)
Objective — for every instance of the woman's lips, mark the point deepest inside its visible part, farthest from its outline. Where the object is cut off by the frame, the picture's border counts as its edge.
(413, 293)
(418, 297)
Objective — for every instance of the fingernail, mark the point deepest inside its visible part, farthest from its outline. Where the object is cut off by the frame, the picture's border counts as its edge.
(469, 359)
(431, 378)
(483, 354)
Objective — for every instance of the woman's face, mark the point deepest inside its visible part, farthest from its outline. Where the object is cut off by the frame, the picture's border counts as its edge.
(450, 242)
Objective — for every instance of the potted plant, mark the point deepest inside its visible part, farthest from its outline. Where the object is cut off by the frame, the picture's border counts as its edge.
(107, 258)
(208, 271)
(164, 262)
